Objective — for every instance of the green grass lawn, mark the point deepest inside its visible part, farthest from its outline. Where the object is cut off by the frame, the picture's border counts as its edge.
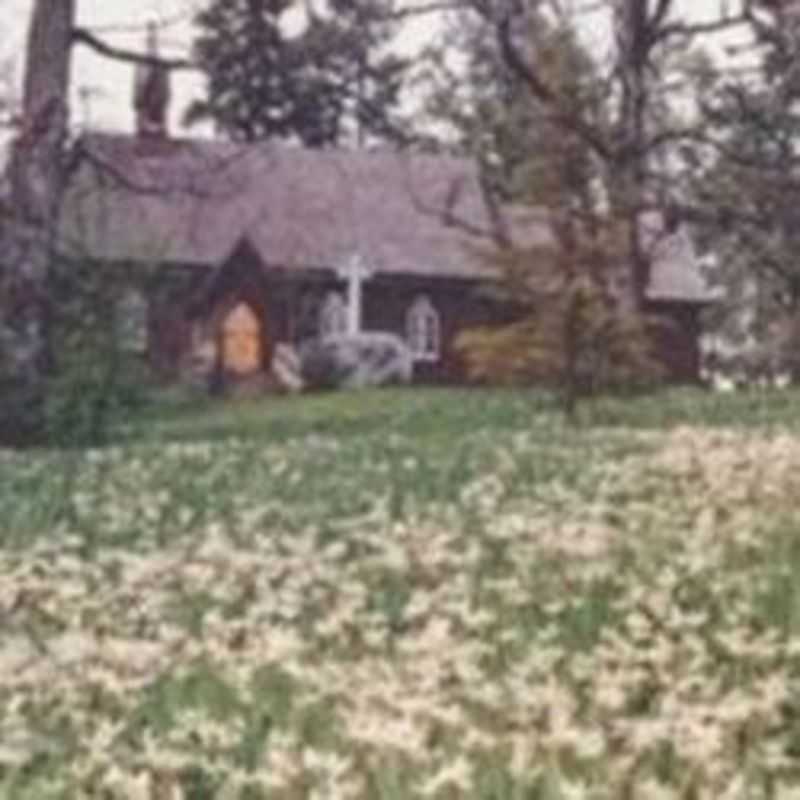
(406, 594)
(423, 413)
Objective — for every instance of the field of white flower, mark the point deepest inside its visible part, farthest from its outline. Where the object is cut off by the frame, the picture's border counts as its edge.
(468, 601)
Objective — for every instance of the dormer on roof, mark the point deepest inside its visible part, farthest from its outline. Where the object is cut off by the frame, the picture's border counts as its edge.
(151, 93)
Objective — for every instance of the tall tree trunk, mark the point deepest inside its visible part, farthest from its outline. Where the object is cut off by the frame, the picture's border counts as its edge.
(37, 183)
(631, 169)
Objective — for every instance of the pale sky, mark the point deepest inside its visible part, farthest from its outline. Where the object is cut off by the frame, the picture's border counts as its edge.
(102, 89)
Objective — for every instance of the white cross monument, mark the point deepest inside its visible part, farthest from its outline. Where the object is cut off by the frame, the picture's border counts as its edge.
(355, 272)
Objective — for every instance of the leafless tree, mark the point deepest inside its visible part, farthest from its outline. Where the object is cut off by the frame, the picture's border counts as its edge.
(644, 75)
(633, 140)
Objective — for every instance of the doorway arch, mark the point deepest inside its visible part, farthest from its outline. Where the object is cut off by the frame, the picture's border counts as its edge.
(242, 340)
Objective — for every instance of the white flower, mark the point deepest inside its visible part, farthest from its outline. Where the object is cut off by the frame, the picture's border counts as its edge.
(455, 774)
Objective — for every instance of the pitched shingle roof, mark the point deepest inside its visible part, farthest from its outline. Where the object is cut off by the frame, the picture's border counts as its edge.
(193, 202)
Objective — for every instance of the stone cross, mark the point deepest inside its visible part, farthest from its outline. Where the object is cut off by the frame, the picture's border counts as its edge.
(355, 272)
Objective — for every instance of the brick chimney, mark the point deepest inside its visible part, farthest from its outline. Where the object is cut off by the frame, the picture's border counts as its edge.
(151, 92)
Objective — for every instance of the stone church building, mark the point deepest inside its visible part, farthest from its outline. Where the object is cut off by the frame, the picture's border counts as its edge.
(228, 250)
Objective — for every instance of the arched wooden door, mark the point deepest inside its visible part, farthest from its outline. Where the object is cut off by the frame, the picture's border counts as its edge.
(242, 341)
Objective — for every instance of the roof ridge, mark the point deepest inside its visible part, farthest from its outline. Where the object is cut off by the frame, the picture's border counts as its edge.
(278, 147)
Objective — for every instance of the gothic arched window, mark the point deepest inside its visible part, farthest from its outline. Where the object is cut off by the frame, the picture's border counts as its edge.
(424, 330)
(332, 316)
(132, 320)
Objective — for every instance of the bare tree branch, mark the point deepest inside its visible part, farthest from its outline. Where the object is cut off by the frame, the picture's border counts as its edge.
(690, 30)
(86, 37)
(570, 119)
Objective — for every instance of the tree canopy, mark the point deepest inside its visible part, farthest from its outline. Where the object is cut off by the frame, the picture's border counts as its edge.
(331, 83)
(488, 109)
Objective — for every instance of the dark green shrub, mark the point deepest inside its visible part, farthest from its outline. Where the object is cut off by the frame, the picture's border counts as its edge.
(95, 371)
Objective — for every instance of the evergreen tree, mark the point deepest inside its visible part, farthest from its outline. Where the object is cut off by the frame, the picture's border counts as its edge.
(332, 83)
